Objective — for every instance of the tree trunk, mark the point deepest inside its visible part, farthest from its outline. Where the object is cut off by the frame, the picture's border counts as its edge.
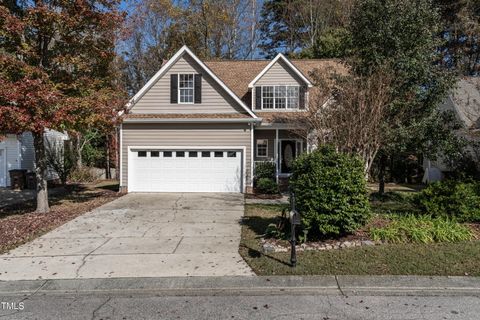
(41, 173)
(78, 149)
(381, 174)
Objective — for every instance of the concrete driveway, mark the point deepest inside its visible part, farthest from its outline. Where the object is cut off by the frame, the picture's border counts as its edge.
(139, 235)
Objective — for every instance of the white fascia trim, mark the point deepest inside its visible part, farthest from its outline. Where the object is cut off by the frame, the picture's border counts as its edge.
(154, 79)
(186, 120)
(167, 66)
(290, 65)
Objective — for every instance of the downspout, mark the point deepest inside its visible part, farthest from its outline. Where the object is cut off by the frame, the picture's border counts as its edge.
(252, 127)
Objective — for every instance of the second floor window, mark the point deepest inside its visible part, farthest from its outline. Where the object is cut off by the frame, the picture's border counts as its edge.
(185, 88)
(280, 97)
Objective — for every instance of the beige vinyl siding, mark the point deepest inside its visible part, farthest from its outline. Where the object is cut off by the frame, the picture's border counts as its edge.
(270, 136)
(206, 135)
(214, 99)
(279, 74)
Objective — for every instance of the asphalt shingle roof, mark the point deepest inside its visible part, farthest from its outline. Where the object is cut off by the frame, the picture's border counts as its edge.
(237, 74)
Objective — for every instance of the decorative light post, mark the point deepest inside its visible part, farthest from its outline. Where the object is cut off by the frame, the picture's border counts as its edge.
(295, 221)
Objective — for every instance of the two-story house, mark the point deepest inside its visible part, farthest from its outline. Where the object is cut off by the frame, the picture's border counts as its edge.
(200, 126)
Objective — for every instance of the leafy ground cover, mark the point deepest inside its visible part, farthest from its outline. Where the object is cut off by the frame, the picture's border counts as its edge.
(421, 229)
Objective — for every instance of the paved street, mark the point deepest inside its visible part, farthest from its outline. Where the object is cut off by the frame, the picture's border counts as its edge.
(325, 298)
(139, 235)
(248, 307)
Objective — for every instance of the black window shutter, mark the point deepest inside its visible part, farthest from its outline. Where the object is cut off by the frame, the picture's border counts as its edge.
(174, 88)
(301, 98)
(258, 97)
(198, 88)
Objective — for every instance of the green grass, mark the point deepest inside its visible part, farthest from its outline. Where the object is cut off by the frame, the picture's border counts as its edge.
(461, 258)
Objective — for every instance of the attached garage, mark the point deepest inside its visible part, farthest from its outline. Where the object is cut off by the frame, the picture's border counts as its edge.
(185, 169)
(185, 157)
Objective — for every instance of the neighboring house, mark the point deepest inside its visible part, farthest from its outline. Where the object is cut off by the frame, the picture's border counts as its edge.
(200, 126)
(465, 104)
(17, 152)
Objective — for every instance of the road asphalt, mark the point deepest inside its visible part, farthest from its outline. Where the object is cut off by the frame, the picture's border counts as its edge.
(278, 297)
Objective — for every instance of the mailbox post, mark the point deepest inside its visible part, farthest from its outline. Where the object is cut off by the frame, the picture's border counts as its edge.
(295, 221)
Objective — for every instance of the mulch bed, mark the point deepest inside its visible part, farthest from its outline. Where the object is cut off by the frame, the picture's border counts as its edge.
(20, 223)
(475, 227)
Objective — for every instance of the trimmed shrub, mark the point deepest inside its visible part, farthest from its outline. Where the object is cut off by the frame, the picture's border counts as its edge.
(460, 200)
(267, 186)
(84, 174)
(421, 229)
(330, 192)
(265, 169)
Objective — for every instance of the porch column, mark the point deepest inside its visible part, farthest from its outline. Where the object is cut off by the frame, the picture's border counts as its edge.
(276, 155)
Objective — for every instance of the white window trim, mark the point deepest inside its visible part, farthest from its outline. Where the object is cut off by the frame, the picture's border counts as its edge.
(256, 151)
(286, 97)
(178, 88)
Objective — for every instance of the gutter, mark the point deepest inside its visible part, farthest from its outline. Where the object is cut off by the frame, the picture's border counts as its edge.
(192, 120)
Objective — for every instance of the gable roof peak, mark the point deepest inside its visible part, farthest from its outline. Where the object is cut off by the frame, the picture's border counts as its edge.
(168, 65)
(289, 64)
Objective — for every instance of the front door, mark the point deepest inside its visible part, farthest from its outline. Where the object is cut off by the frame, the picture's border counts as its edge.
(288, 153)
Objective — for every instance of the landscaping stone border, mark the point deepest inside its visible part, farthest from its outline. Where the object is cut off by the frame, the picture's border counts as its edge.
(272, 247)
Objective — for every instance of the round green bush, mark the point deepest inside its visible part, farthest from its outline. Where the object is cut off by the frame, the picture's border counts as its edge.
(265, 169)
(460, 200)
(330, 192)
(267, 186)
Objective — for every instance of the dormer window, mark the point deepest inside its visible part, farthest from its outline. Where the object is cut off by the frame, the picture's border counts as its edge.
(185, 88)
(280, 97)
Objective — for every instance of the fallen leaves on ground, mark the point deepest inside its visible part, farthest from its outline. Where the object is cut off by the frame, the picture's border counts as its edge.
(20, 223)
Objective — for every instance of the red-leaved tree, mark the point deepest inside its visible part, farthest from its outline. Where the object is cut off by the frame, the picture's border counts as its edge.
(30, 102)
(56, 58)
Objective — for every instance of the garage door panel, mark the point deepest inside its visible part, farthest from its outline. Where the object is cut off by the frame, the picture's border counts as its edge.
(185, 171)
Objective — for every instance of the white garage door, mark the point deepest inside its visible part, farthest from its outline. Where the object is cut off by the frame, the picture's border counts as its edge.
(186, 170)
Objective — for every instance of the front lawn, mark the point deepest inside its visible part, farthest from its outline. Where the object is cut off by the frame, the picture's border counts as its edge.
(19, 223)
(459, 258)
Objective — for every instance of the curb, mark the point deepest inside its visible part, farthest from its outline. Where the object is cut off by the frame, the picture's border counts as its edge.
(275, 285)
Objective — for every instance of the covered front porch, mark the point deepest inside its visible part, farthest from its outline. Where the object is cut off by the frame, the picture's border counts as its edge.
(279, 146)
